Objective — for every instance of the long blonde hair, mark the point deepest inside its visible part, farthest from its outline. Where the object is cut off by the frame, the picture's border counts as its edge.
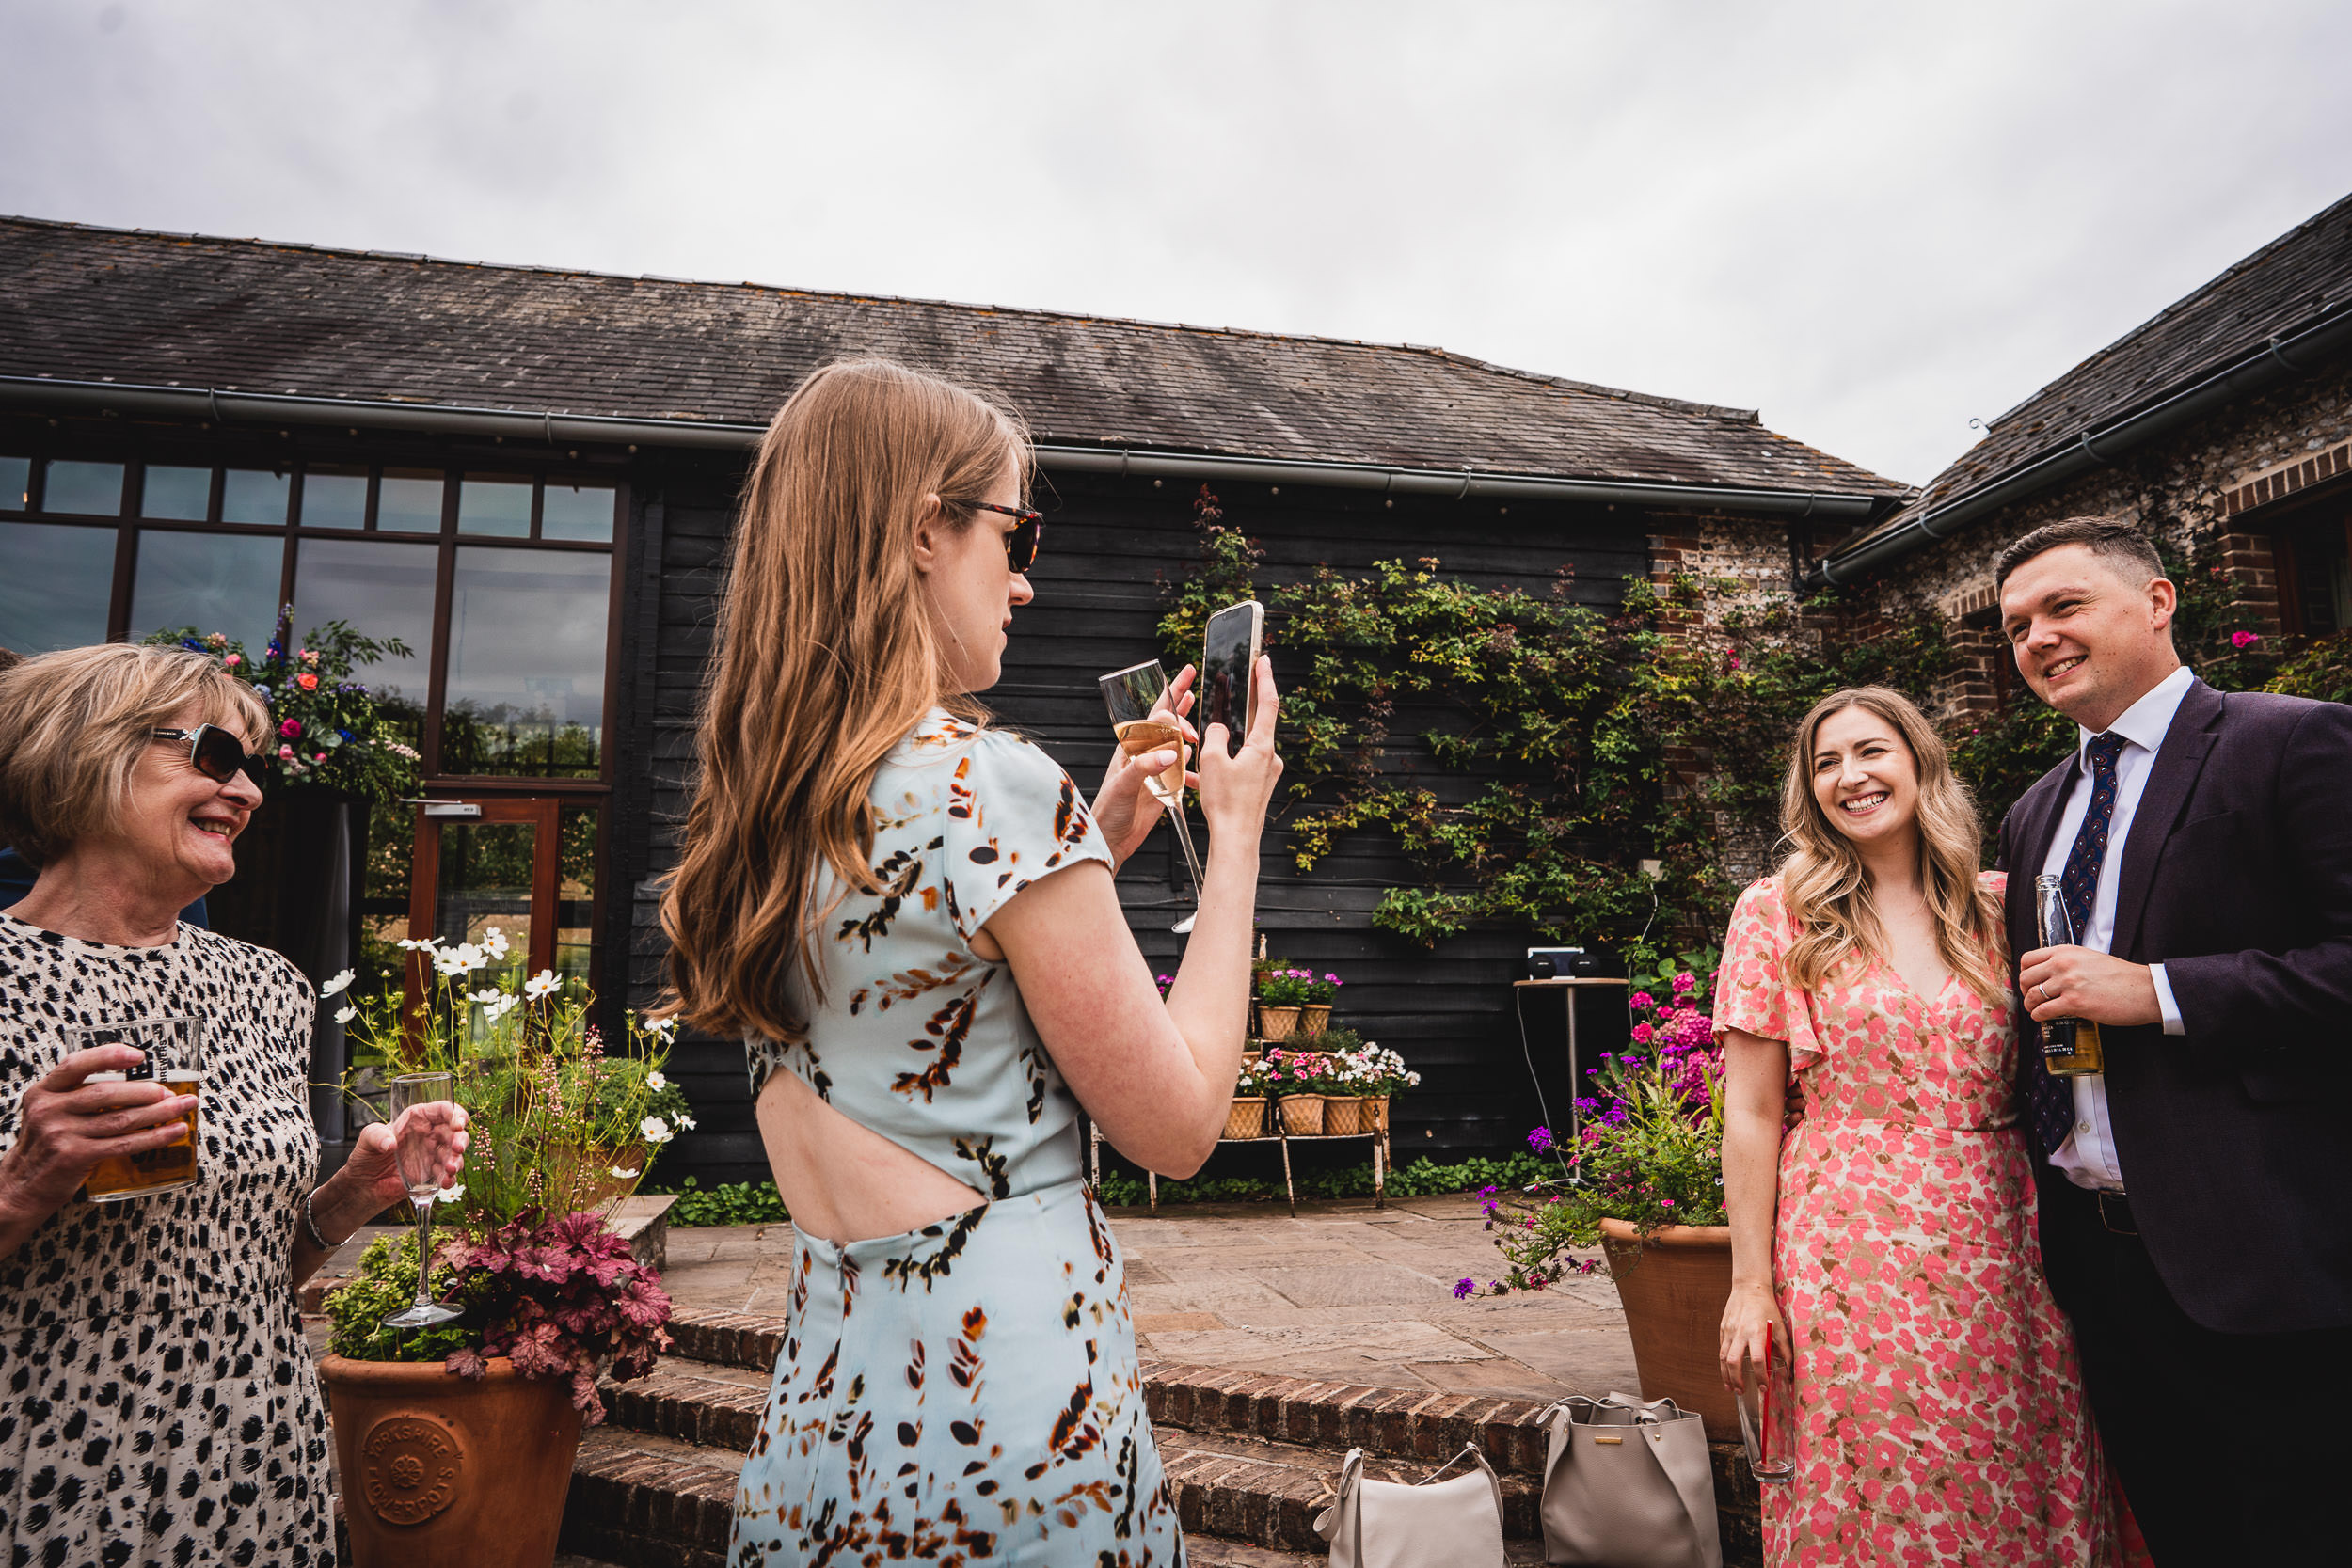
(1827, 892)
(825, 660)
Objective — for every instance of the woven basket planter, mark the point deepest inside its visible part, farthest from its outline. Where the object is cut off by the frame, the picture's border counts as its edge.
(1314, 1019)
(1373, 1114)
(1277, 1023)
(1246, 1118)
(1302, 1115)
(1340, 1115)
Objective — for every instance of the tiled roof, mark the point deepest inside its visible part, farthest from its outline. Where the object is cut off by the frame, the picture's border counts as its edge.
(82, 303)
(2282, 286)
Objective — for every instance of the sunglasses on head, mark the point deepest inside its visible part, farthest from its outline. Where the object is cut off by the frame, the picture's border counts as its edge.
(217, 753)
(1021, 544)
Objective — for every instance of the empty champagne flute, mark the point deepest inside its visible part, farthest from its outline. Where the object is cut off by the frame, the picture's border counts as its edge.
(418, 1156)
(1134, 697)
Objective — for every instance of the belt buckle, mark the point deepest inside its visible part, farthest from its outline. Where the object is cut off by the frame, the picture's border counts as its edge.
(2115, 1213)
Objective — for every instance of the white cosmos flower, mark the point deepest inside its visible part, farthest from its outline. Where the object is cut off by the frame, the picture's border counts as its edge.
(685, 1124)
(471, 957)
(624, 1175)
(493, 1011)
(450, 964)
(419, 945)
(486, 998)
(494, 942)
(541, 984)
(451, 1195)
(338, 983)
(345, 1015)
(654, 1131)
(663, 1026)
(655, 1080)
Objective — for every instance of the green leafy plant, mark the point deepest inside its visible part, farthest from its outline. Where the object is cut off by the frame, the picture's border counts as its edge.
(326, 729)
(1421, 1177)
(386, 1284)
(1323, 992)
(1285, 987)
(728, 1203)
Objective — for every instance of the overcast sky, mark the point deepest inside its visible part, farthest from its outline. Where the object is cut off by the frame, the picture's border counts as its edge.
(1871, 222)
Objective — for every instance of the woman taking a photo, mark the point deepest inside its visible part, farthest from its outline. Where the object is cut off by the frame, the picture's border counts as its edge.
(909, 916)
(1884, 1241)
(161, 1404)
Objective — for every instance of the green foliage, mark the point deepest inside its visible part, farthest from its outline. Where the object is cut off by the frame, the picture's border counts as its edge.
(386, 1283)
(1423, 1178)
(1224, 576)
(729, 1203)
(325, 728)
(2322, 671)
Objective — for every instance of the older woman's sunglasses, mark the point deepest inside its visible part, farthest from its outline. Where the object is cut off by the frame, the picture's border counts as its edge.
(217, 753)
(1021, 544)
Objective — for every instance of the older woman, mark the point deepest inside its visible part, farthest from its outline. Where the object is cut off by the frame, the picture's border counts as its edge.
(161, 1406)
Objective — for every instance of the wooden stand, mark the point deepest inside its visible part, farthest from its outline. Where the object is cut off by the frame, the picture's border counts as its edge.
(1379, 1159)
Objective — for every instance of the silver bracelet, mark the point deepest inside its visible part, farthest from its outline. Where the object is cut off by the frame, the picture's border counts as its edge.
(310, 1223)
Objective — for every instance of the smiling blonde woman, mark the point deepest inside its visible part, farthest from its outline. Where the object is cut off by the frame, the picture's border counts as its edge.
(1884, 1241)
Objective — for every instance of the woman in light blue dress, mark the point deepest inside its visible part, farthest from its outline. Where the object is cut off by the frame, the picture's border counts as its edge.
(909, 915)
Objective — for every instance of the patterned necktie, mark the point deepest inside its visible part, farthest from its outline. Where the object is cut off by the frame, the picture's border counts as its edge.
(2078, 885)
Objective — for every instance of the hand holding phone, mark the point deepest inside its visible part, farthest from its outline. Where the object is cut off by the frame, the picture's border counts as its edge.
(1229, 663)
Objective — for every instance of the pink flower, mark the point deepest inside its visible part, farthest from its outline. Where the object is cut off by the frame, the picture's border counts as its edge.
(2244, 639)
(1643, 998)
(285, 753)
(1644, 1033)
(291, 728)
(1685, 982)
(231, 661)
(308, 681)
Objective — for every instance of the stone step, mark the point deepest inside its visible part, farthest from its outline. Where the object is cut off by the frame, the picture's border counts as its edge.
(1267, 1493)
(643, 1500)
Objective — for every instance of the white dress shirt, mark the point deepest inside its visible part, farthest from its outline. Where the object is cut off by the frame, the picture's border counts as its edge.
(2087, 1156)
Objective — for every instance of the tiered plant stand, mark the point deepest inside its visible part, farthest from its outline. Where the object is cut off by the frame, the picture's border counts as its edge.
(1377, 1137)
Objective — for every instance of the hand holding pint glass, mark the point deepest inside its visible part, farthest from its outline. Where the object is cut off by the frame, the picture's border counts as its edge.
(105, 1122)
(170, 1052)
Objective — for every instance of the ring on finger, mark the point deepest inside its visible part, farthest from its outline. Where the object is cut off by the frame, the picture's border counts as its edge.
(2044, 992)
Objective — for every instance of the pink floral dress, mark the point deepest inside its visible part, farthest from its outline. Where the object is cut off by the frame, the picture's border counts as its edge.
(1940, 1414)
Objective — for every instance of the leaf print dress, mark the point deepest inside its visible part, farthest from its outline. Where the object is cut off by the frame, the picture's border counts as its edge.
(966, 1393)
(1940, 1414)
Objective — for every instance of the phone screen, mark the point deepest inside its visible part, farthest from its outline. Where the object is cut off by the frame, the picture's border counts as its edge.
(1226, 656)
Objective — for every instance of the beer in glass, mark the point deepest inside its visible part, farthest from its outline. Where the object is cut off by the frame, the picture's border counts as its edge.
(175, 1058)
(2070, 1046)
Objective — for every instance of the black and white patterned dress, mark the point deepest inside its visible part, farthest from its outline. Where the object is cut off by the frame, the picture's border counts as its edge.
(157, 1403)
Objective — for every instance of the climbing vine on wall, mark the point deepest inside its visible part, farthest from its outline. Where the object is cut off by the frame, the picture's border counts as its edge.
(1560, 747)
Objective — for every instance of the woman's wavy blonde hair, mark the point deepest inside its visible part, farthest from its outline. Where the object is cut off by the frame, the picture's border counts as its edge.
(1827, 892)
(825, 659)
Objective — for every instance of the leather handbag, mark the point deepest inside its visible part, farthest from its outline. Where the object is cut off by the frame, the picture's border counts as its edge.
(1628, 1484)
(1430, 1524)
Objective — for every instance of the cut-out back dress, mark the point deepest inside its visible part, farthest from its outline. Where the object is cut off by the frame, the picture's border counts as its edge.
(967, 1392)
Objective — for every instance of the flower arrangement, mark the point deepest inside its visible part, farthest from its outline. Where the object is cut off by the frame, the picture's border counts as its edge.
(1648, 1150)
(560, 1296)
(325, 728)
(1369, 1070)
(1285, 987)
(1257, 1080)
(1323, 992)
(562, 1130)
(1297, 1071)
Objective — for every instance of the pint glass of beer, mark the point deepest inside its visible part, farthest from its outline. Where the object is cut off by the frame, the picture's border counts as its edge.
(175, 1058)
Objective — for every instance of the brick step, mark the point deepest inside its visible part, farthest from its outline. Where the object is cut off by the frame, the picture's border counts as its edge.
(643, 1500)
(1267, 1493)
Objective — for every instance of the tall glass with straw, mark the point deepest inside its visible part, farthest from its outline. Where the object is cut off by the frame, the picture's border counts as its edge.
(1143, 720)
(418, 1156)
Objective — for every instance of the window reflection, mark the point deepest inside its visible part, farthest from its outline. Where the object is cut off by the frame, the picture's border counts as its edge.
(173, 492)
(224, 582)
(526, 663)
(60, 582)
(336, 497)
(94, 489)
(494, 503)
(576, 891)
(577, 512)
(408, 500)
(254, 496)
(382, 590)
(16, 482)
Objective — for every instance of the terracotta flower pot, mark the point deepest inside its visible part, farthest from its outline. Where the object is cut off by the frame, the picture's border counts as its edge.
(1277, 1023)
(1343, 1116)
(1314, 1018)
(1246, 1118)
(1673, 1284)
(440, 1471)
(1302, 1115)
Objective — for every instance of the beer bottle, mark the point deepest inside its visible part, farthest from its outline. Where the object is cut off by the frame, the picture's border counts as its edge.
(2070, 1046)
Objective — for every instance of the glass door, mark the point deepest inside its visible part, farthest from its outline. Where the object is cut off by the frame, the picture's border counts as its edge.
(524, 866)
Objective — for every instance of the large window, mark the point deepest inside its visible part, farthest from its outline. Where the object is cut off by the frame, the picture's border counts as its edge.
(511, 571)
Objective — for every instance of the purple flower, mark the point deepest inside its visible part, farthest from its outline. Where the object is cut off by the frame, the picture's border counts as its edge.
(1539, 1139)
(1465, 1287)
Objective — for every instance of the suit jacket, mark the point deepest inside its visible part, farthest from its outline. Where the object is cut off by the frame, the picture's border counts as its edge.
(2232, 1139)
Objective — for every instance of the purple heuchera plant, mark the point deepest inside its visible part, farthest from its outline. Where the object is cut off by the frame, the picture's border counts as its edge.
(561, 1297)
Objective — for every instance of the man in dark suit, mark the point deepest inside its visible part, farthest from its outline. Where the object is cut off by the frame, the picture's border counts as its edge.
(2194, 1196)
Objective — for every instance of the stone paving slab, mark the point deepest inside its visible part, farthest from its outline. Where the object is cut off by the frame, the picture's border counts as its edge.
(1344, 1290)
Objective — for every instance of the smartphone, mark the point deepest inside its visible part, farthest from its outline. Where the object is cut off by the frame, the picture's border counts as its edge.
(1228, 659)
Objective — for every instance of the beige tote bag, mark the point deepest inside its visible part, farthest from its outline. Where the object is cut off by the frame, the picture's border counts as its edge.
(1628, 1484)
(1433, 1524)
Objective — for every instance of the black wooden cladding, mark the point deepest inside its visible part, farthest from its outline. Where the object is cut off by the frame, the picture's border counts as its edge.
(1109, 543)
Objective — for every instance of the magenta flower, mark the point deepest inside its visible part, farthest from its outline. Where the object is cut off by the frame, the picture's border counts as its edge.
(1685, 983)
(1540, 1139)
(1465, 1287)
(1643, 998)
(1644, 1033)
(2243, 639)
(291, 728)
